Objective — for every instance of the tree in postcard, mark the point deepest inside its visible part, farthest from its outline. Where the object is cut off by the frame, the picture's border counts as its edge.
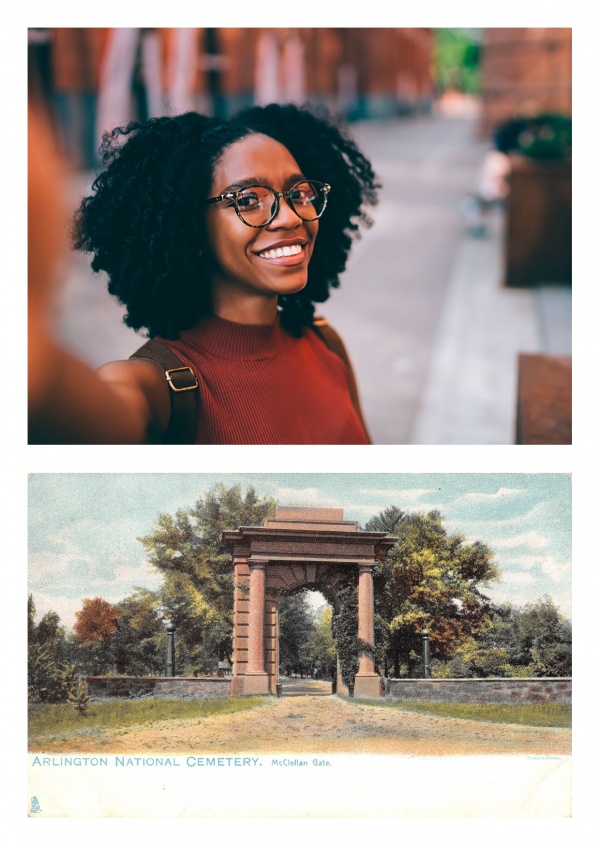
(197, 592)
(430, 581)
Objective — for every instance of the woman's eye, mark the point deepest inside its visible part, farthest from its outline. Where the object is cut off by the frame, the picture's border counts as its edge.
(248, 200)
(303, 195)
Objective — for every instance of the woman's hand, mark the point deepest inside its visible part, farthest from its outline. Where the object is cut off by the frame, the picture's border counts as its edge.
(125, 402)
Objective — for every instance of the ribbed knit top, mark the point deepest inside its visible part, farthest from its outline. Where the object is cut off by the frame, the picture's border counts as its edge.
(260, 385)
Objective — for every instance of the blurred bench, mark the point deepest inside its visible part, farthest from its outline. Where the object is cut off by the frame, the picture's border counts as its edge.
(544, 399)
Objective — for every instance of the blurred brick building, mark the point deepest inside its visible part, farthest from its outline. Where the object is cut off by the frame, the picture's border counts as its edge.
(360, 73)
(524, 71)
(96, 79)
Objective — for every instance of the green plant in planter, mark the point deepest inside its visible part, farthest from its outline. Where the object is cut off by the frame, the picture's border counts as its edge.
(546, 137)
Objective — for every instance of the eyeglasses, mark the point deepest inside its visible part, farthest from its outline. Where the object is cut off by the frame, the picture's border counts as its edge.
(257, 205)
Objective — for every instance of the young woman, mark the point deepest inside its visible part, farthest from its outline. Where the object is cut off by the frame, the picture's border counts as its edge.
(219, 237)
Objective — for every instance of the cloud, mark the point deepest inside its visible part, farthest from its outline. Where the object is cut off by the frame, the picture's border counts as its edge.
(517, 596)
(399, 496)
(502, 493)
(48, 563)
(472, 525)
(66, 607)
(143, 575)
(556, 570)
(517, 579)
(548, 565)
(532, 539)
(564, 602)
(528, 561)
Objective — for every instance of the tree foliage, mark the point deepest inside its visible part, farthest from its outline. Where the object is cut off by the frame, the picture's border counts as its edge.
(94, 636)
(197, 593)
(306, 637)
(321, 646)
(97, 620)
(531, 641)
(140, 637)
(430, 581)
(49, 677)
(457, 60)
(345, 627)
(296, 627)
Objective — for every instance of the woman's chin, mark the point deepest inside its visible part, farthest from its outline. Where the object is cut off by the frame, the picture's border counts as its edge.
(291, 283)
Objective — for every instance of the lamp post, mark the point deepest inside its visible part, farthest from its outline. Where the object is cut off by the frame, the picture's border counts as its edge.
(425, 652)
(170, 665)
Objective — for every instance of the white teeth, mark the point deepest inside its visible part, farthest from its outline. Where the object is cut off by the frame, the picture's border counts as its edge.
(282, 251)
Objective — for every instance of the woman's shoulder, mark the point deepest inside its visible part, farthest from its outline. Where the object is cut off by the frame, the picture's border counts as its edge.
(330, 337)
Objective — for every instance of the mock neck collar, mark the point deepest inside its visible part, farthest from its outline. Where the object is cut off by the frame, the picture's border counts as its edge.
(235, 341)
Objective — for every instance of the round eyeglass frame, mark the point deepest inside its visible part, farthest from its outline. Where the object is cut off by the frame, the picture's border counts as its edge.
(234, 195)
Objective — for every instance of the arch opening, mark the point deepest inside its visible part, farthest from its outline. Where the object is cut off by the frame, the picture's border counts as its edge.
(306, 653)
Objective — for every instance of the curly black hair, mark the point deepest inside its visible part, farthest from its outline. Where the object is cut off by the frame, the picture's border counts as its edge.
(144, 222)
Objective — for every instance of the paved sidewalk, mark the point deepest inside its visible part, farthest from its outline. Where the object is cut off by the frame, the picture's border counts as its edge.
(469, 395)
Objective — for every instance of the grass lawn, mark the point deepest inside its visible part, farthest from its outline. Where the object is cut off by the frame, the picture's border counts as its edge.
(50, 722)
(542, 714)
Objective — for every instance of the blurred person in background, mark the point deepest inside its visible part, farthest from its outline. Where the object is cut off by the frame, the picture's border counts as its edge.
(219, 237)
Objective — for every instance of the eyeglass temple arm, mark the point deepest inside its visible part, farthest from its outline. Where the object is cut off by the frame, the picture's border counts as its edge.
(228, 196)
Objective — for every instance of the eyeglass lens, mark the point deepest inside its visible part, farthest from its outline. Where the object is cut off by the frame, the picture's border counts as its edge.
(257, 203)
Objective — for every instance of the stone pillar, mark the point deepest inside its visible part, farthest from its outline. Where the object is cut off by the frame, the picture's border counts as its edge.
(256, 680)
(241, 581)
(366, 682)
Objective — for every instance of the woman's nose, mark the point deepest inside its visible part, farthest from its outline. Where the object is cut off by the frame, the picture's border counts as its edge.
(285, 216)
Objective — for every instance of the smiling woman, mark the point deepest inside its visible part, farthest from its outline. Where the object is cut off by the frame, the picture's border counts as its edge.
(219, 237)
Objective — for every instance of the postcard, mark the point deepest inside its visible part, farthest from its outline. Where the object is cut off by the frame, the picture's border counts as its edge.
(309, 645)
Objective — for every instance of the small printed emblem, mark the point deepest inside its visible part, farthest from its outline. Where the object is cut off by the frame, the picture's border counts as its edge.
(36, 808)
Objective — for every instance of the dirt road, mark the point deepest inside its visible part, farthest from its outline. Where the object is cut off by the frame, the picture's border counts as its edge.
(328, 725)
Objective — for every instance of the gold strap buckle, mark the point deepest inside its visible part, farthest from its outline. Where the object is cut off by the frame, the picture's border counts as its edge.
(173, 386)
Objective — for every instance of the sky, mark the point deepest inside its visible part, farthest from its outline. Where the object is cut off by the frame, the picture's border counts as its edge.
(83, 527)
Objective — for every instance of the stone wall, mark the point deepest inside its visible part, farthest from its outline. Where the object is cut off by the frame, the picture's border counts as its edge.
(483, 691)
(178, 687)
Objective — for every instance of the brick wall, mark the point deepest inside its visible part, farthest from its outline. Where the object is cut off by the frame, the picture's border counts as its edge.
(522, 66)
(483, 691)
(131, 687)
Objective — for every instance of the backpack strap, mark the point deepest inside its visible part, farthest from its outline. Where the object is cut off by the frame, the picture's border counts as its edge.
(183, 384)
(332, 340)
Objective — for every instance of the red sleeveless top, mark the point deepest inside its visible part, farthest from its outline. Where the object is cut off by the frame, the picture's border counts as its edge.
(260, 385)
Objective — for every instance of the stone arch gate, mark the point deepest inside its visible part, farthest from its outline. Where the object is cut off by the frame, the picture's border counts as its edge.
(299, 547)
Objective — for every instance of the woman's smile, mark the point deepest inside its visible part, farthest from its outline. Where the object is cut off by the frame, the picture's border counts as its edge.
(285, 253)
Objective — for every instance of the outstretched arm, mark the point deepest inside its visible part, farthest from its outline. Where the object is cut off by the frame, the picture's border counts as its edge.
(124, 402)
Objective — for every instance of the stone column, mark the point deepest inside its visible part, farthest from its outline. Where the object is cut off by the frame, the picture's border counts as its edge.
(366, 682)
(241, 581)
(256, 680)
